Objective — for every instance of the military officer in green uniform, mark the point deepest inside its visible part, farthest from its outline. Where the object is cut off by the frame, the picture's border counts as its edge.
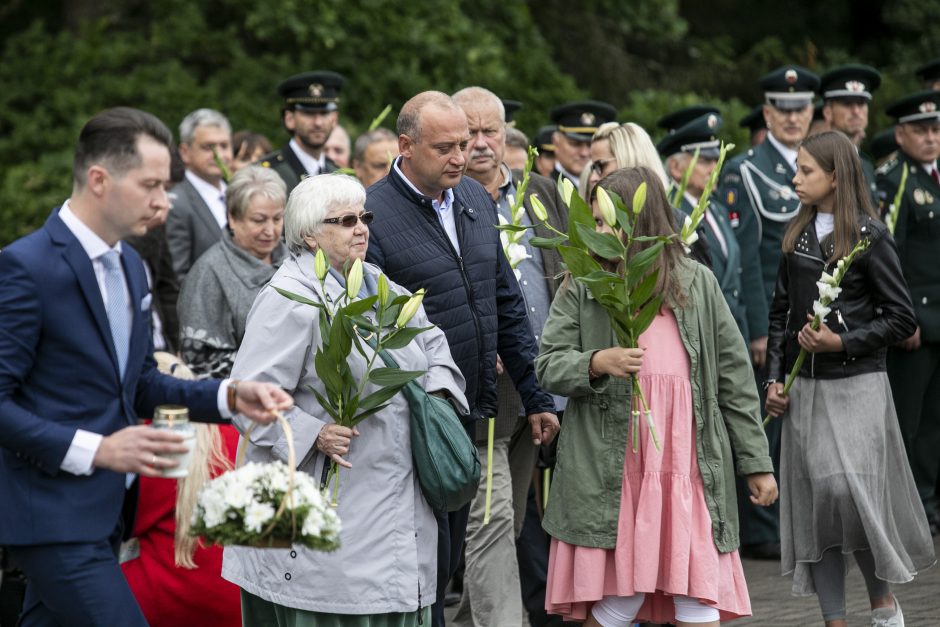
(309, 114)
(914, 365)
(678, 148)
(882, 147)
(577, 122)
(846, 92)
(757, 188)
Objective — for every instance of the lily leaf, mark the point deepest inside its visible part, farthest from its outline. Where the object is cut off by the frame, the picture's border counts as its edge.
(298, 298)
(644, 290)
(393, 376)
(578, 213)
(325, 404)
(358, 307)
(360, 417)
(645, 316)
(327, 372)
(602, 244)
(579, 263)
(380, 397)
(514, 228)
(640, 262)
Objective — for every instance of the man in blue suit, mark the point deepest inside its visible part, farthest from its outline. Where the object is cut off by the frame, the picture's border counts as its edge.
(76, 371)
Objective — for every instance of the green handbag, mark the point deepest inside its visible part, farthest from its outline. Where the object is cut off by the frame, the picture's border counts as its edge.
(445, 457)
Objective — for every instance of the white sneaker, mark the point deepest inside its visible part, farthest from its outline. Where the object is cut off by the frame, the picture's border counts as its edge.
(886, 617)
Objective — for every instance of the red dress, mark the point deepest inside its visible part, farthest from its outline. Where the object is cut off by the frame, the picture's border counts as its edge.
(168, 595)
(664, 535)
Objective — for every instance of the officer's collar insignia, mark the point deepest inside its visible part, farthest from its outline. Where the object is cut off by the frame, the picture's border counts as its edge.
(780, 168)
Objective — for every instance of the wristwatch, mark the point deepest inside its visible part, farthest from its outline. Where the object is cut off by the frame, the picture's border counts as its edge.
(232, 394)
(768, 383)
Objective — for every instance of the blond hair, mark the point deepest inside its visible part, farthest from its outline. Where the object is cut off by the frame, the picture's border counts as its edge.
(208, 457)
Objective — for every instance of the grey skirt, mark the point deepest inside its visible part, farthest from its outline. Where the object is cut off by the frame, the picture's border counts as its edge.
(256, 612)
(845, 482)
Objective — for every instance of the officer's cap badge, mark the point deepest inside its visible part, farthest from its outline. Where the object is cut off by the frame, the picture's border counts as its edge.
(587, 118)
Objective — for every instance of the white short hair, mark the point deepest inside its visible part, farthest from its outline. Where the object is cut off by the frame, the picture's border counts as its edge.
(312, 200)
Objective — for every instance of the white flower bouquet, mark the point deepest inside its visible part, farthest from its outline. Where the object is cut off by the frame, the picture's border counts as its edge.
(257, 505)
(266, 506)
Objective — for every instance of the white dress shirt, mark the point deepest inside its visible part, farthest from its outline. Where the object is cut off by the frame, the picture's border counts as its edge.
(79, 459)
(443, 208)
(788, 153)
(213, 196)
(712, 223)
(311, 165)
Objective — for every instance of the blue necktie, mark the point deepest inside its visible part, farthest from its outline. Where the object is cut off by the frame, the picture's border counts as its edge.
(117, 308)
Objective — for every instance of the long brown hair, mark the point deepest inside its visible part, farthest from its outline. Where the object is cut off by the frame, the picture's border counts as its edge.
(836, 155)
(656, 218)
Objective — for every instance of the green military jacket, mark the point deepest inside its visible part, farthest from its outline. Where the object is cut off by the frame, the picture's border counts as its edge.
(584, 502)
(288, 166)
(757, 189)
(917, 233)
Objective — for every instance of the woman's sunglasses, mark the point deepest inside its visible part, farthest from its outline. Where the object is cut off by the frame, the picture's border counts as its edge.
(350, 219)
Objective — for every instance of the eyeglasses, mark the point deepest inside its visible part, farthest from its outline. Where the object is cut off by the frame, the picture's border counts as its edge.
(350, 219)
(598, 166)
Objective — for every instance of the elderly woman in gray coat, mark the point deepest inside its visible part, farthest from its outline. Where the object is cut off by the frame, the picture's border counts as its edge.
(385, 571)
(219, 289)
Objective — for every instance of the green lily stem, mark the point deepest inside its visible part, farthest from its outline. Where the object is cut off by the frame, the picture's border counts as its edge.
(640, 399)
(490, 430)
(334, 477)
(797, 365)
(546, 484)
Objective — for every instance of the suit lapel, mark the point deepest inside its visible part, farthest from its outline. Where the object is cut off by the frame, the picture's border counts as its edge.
(78, 260)
(203, 211)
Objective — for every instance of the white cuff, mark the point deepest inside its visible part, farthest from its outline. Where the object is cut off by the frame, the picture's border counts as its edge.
(80, 458)
(221, 399)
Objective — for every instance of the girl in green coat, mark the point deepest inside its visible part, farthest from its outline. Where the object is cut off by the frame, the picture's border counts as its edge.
(651, 534)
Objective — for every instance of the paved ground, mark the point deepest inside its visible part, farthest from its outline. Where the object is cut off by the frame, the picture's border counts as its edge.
(774, 606)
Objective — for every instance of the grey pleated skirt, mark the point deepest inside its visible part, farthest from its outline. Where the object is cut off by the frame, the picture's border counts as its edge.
(845, 481)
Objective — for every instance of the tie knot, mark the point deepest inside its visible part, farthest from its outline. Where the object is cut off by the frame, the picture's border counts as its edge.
(111, 260)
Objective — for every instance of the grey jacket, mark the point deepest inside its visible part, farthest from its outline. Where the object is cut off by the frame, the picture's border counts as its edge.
(191, 228)
(388, 558)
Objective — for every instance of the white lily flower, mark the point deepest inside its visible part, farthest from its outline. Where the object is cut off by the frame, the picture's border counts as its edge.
(820, 310)
(828, 292)
(516, 253)
(829, 279)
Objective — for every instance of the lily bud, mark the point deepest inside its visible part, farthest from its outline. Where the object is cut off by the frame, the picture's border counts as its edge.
(409, 309)
(320, 266)
(538, 208)
(606, 205)
(382, 289)
(354, 280)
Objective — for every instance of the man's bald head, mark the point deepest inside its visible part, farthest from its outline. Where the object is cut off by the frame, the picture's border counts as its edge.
(409, 120)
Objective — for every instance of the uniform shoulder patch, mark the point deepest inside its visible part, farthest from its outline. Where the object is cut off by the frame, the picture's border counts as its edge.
(887, 166)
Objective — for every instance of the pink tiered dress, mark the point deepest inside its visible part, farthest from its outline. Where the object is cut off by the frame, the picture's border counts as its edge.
(664, 536)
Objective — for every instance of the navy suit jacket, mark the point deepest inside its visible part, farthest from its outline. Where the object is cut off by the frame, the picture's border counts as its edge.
(59, 373)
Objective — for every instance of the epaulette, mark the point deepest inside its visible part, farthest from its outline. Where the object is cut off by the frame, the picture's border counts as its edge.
(887, 166)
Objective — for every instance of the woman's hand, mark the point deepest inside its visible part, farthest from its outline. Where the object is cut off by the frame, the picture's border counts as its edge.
(776, 403)
(617, 362)
(821, 341)
(334, 441)
(763, 488)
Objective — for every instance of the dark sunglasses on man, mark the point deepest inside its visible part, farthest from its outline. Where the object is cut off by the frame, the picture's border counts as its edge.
(350, 219)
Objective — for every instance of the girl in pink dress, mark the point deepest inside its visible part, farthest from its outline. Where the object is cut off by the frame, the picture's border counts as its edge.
(651, 534)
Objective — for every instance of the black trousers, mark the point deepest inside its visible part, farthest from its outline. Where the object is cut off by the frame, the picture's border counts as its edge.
(451, 532)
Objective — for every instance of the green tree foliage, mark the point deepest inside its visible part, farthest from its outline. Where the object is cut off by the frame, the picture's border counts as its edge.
(172, 56)
(61, 61)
